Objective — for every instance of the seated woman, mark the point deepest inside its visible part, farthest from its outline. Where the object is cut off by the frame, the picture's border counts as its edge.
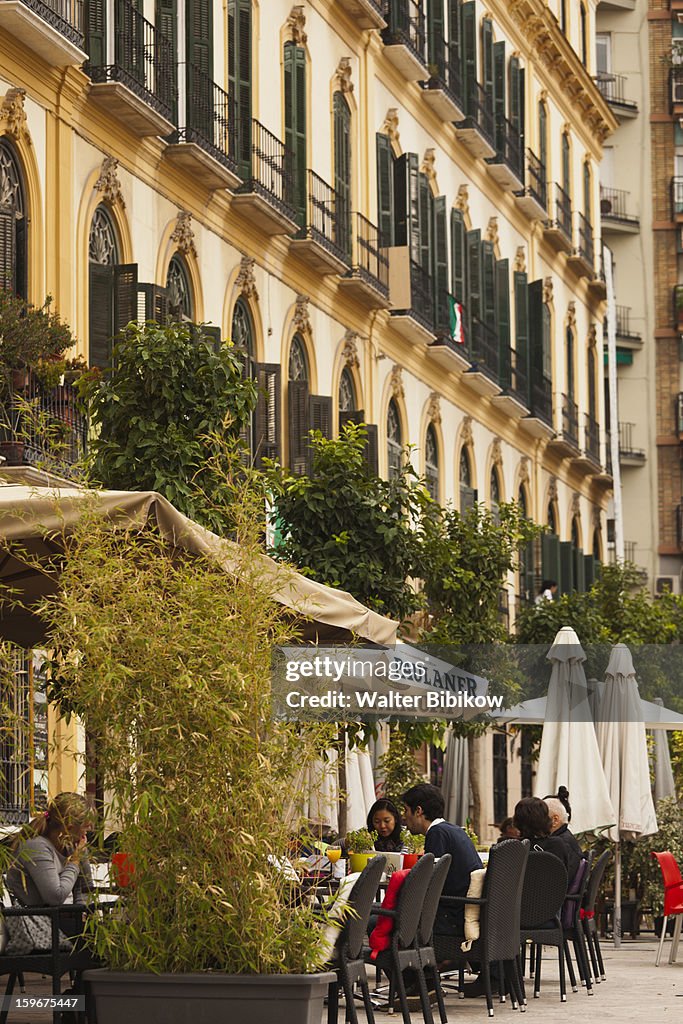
(507, 830)
(532, 820)
(50, 854)
(385, 820)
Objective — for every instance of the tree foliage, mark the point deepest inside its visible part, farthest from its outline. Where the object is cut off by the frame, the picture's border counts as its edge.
(161, 414)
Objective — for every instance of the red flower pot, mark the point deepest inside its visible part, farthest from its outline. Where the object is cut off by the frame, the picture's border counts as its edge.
(410, 860)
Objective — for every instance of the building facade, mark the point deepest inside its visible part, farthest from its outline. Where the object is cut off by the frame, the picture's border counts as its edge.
(392, 207)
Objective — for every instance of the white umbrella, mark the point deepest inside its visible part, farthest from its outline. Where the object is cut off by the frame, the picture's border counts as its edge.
(569, 753)
(360, 788)
(623, 747)
(455, 781)
(664, 784)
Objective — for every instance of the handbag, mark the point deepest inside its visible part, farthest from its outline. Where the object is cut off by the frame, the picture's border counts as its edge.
(28, 934)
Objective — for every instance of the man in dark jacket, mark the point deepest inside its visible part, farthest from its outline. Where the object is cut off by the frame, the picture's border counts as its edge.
(561, 842)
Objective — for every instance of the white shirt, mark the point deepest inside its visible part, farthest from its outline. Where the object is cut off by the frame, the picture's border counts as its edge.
(437, 821)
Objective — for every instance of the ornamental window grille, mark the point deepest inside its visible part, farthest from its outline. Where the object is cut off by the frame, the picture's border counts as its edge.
(180, 302)
(103, 245)
(432, 463)
(298, 363)
(347, 392)
(11, 190)
(394, 440)
(494, 489)
(242, 334)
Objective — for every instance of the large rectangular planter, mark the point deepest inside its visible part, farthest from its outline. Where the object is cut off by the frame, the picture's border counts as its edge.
(120, 997)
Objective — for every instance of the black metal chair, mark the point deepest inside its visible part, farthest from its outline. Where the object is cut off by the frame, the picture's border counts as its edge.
(402, 952)
(348, 959)
(587, 914)
(424, 940)
(573, 929)
(543, 896)
(499, 921)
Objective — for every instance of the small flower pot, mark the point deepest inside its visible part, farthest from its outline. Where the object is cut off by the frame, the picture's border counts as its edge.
(359, 861)
(13, 452)
(410, 859)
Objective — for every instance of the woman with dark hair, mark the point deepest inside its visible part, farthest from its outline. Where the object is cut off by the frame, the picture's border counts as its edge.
(385, 820)
(532, 819)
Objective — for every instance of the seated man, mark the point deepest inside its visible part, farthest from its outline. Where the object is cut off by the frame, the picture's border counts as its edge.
(561, 842)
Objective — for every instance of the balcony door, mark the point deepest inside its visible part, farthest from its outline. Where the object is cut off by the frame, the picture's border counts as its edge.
(199, 67)
(166, 20)
(342, 172)
(239, 74)
(13, 221)
(295, 123)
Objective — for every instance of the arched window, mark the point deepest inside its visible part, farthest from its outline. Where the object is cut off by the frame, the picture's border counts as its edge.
(347, 392)
(576, 532)
(543, 135)
(569, 352)
(13, 219)
(522, 501)
(583, 30)
(494, 494)
(298, 405)
(103, 245)
(113, 288)
(394, 440)
(342, 172)
(180, 304)
(566, 171)
(432, 462)
(587, 192)
(242, 334)
(468, 495)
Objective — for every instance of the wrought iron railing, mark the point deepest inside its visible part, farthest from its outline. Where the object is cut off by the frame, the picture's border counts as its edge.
(406, 26)
(592, 438)
(614, 205)
(483, 349)
(585, 247)
(612, 89)
(445, 70)
(371, 261)
(570, 420)
(518, 376)
(509, 146)
(41, 425)
(144, 60)
(676, 87)
(421, 296)
(328, 219)
(536, 178)
(561, 212)
(209, 119)
(623, 323)
(270, 171)
(64, 15)
(541, 392)
(626, 445)
(479, 110)
(676, 197)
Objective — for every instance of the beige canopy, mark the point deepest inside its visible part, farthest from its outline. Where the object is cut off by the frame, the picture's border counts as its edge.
(36, 511)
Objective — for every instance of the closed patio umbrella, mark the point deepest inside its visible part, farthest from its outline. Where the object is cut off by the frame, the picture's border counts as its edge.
(622, 741)
(455, 781)
(569, 753)
(664, 785)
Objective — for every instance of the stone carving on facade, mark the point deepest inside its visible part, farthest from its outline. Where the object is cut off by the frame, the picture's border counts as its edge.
(466, 431)
(592, 336)
(390, 126)
(343, 75)
(428, 168)
(246, 279)
(183, 235)
(520, 260)
(552, 489)
(434, 408)
(576, 505)
(462, 200)
(497, 452)
(302, 318)
(350, 349)
(108, 183)
(13, 115)
(571, 314)
(492, 231)
(547, 290)
(396, 381)
(296, 23)
(524, 470)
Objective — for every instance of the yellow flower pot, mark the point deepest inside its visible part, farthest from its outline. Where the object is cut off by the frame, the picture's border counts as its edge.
(359, 861)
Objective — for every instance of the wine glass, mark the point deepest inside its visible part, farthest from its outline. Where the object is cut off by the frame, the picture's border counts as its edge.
(333, 852)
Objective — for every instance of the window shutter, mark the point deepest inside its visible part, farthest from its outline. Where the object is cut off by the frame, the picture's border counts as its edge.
(522, 327)
(152, 304)
(488, 260)
(199, 35)
(372, 450)
(458, 256)
(8, 249)
(543, 136)
(440, 262)
(298, 422)
(101, 315)
(356, 416)
(342, 170)
(239, 74)
(499, 94)
(487, 58)
(579, 570)
(474, 274)
(319, 418)
(125, 295)
(425, 228)
(266, 426)
(468, 44)
(436, 34)
(211, 335)
(407, 199)
(503, 318)
(550, 556)
(566, 579)
(166, 20)
(295, 121)
(589, 573)
(516, 96)
(385, 190)
(535, 328)
(566, 178)
(96, 31)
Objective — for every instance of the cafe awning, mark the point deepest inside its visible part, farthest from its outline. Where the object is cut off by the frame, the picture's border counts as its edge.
(37, 512)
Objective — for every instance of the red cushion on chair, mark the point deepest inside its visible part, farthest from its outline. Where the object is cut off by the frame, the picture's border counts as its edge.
(380, 936)
(673, 883)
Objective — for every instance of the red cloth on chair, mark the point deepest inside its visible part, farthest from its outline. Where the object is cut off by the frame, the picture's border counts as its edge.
(380, 936)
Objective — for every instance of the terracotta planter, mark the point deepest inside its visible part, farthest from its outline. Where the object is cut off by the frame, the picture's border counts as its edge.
(13, 452)
(208, 998)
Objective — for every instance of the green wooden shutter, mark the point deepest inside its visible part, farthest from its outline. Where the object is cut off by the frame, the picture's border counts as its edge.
(566, 177)
(8, 249)
(298, 419)
(266, 426)
(543, 135)
(239, 77)
(440, 263)
(587, 197)
(101, 315)
(488, 261)
(550, 557)
(407, 199)
(474, 275)
(425, 229)
(517, 96)
(503, 318)
(579, 570)
(319, 418)
(385, 190)
(295, 122)
(454, 35)
(487, 58)
(342, 171)
(435, 35)
(589, 573)
(199, 35)
(152, 304)
(499, 94)
(536, 328)
(566, 579)
(458, 257)
(468, 44)
(96, 32)
(166, 20)
(522, 329)
(125, 281)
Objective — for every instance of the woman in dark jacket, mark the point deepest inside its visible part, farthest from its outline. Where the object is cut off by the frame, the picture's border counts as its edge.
(533, 820)
(385, 820)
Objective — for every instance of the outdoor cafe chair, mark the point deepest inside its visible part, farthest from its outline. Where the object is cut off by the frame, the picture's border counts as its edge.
(587, 914)
(348, 959)
(424, 940)
(673, 902)
(543, 896)
(402, 952)
(573, 928)
(499, 922)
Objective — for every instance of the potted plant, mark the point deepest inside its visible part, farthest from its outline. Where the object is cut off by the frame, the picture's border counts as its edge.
(32, 339)
(415, 844)
(360, 845)
(168, 663)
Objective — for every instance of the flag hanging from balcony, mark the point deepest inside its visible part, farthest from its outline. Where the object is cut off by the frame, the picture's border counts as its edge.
(455, 316)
